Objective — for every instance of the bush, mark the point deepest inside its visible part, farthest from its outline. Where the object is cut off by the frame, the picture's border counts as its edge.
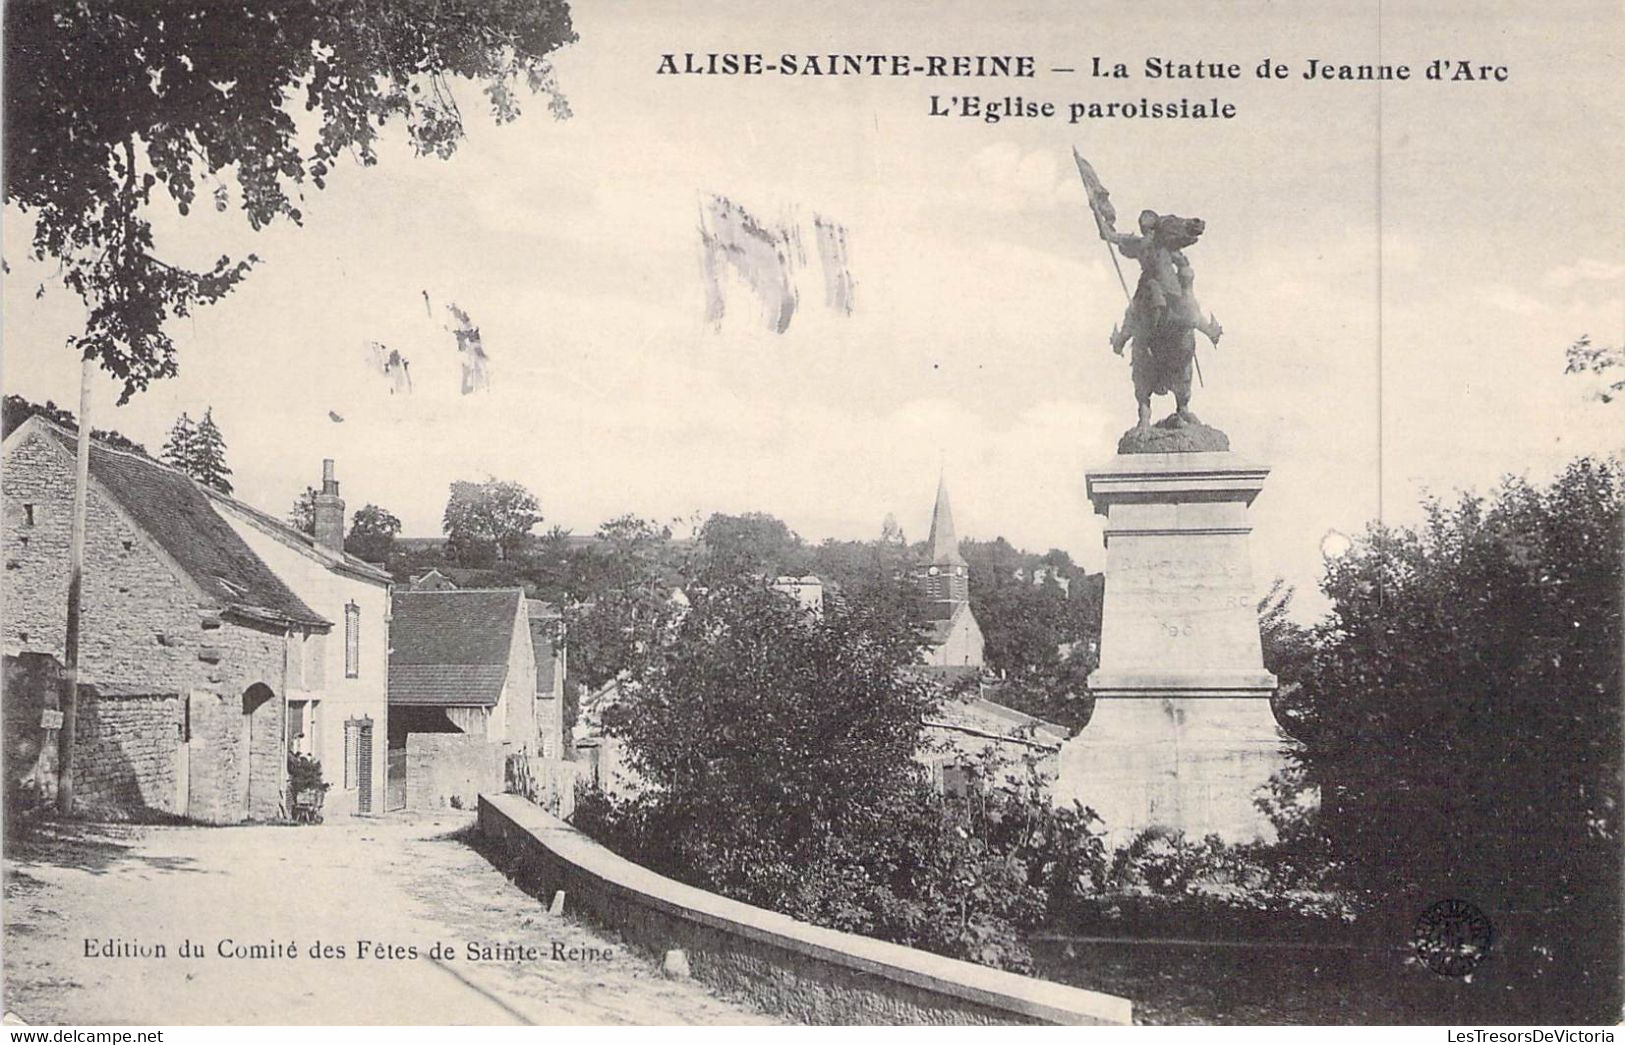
(1164, 884)
(963, 877)
(304, 774)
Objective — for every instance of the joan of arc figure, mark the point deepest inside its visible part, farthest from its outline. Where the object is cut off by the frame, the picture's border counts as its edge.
(1166, 292)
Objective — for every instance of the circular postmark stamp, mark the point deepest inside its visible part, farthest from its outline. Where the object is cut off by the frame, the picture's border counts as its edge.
(1452, 937)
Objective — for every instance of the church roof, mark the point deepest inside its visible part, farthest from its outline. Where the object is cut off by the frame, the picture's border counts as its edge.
(943, 546)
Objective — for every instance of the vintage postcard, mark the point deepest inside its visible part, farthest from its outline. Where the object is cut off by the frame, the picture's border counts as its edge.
(577, 512)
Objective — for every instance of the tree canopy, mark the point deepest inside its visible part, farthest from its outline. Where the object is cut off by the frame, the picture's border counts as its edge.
(780, 746)
(302, 516)
(372, 533)
(1468, 677)
(105, 102)
(488, 520)
(1604, 363)
(751, 543)
(199, 449)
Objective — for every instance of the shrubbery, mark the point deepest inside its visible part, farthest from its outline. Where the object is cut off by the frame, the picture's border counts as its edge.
(965, 877)
(1460, 710)
(779, 749)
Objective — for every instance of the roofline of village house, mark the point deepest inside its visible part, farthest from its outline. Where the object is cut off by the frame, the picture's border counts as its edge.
(31, 428)
(260, 615)
(1003, 738)
(270, 525)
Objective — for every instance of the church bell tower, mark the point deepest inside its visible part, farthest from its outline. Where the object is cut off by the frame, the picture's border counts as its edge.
(944, 577)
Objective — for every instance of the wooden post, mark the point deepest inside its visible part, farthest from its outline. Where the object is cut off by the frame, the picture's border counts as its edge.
(76, 565)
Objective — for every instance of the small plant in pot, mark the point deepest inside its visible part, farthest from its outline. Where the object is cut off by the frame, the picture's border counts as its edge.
(307, 787)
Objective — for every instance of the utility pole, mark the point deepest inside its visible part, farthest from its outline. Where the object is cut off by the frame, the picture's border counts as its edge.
(76, 568)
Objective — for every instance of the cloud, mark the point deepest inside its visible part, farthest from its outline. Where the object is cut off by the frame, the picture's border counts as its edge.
(1585, 270)
(1510, 299)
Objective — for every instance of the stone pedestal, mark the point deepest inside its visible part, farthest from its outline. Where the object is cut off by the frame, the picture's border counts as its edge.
(1182, 734)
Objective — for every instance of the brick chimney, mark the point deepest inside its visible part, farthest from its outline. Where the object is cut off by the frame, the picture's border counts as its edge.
(329, 511)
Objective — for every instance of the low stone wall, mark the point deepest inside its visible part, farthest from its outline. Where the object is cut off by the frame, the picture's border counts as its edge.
(451, 769)
(804, 973)
(124, 745)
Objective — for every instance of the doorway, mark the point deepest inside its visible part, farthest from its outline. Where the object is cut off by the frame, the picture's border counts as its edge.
(263, 754)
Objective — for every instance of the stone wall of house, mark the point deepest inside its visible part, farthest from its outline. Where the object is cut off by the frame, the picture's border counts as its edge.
(142, 631)
(343, 695)
(452, 769)
(125, 751)
(124, 745)
(139, 621)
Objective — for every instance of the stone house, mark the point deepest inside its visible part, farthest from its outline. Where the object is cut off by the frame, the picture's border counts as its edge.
(975, 743)
(338, 683)
(463, 691)
(191, 642)
(602, 758)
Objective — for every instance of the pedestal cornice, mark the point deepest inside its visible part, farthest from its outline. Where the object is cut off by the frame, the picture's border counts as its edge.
(1175, 478)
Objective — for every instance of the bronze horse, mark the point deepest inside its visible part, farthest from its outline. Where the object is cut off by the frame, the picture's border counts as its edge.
(1163, 316)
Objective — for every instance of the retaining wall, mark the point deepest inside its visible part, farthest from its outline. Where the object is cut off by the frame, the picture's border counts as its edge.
(802, 972)
(451, 769)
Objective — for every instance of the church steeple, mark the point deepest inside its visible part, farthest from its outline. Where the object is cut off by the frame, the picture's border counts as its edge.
(944, 543)
(944, 577)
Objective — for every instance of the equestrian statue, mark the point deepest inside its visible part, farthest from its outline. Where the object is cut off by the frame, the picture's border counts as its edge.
(1163, 317)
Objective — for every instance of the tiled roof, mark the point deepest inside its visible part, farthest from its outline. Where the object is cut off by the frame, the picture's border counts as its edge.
(447, 685)
(451, 648)
(176, 513)
(298, 538)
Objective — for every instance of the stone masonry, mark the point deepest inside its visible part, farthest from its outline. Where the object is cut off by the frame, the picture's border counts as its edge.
(144, 630)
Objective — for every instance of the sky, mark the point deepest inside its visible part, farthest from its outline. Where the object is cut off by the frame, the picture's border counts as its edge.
(1398, 268)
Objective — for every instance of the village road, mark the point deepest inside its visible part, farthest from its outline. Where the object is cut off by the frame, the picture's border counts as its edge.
(400, 882)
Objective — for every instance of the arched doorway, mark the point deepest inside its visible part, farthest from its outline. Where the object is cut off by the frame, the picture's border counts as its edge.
(263, 757)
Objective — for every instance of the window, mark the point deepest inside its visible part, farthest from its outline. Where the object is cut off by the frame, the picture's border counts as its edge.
(298, 737)
(960, 781)
(28, 515)
(358, 761)
(352, 641)
(352, 746)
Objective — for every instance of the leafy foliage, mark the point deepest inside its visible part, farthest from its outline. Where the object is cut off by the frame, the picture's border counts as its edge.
(489, 520)
(18, 410)
(302, 516)
(1461, 710)
(753, 543)
(1164, 884)
(633, 606)
(304, 774)
(372, 533)
(1288, 649)
(779, 748)
(208, 464)
(106, 102)
(1583, 357)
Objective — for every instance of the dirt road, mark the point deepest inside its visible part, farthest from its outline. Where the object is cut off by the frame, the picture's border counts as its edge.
(88, 907)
